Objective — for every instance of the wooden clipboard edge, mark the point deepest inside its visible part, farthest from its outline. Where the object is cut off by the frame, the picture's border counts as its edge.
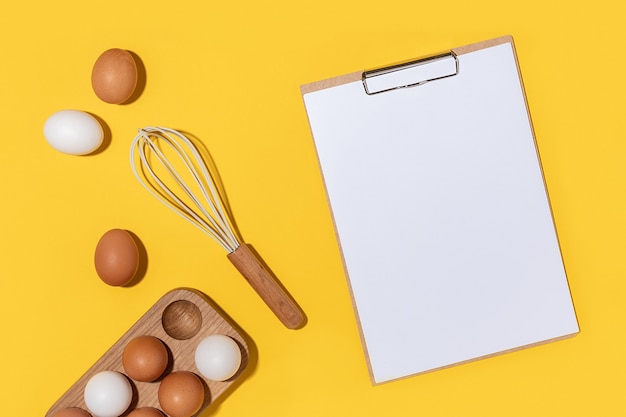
(480, 358)
(357, 76)
(310, 88)
(483, 45)
(509, 39)
(330, 82)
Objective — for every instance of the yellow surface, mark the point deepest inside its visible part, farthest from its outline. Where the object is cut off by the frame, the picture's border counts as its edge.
(230, 73)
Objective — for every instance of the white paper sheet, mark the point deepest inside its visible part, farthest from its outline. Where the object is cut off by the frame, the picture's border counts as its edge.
(442, 217)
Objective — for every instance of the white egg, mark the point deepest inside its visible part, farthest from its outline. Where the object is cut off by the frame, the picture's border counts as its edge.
(218, 357)
(73, 132)
(108, 394)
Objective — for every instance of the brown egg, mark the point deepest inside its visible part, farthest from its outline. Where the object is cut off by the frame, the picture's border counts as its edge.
(114, 76)
(181, 394)
(145, 412)
(72, 412)
(145, 358)
(117, 257)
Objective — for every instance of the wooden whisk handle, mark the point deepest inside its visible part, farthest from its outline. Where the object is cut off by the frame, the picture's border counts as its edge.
(266, 287)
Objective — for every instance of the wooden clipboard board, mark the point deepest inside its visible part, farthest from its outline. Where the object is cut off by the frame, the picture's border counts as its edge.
(440, 209)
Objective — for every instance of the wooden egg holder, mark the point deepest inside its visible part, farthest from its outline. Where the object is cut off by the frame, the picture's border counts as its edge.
(182, 313)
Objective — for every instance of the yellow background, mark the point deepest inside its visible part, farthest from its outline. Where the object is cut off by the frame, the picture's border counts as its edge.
(229, 72)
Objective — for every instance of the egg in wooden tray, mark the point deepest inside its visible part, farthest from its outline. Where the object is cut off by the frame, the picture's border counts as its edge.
(176, 360)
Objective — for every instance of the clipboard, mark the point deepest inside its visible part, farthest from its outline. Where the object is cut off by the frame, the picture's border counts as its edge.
(440, 209)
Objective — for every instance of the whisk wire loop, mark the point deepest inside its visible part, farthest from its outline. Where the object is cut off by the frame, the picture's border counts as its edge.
(197, 220)
(178, 178)
(212, 220)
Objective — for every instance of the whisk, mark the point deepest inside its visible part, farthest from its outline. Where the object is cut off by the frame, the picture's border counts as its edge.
(164, 160)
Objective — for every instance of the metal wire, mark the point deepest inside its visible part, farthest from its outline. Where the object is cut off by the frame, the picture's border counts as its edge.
(164, 149)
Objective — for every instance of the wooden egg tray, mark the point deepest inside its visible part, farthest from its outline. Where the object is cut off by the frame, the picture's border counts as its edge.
(181, 313)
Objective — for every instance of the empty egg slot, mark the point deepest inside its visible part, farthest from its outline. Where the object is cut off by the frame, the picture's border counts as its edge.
(181, 319)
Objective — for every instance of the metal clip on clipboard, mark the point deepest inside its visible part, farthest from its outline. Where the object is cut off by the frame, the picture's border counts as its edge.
(410, 74)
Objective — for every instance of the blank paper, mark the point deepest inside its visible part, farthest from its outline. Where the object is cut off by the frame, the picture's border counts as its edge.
(442, 216)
